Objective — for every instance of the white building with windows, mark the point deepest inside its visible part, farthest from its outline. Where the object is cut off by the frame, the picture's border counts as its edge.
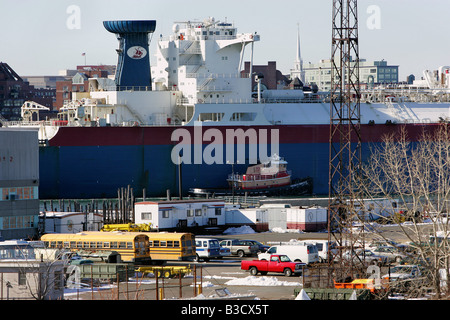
(370, 73)
(180, 214)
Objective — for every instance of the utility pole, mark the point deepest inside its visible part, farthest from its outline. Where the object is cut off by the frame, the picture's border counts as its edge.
(345, 135)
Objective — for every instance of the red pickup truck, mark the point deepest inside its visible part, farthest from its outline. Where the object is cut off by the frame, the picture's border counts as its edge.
(277, 263)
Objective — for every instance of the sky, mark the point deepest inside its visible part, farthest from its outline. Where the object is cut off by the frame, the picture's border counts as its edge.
(41, 37)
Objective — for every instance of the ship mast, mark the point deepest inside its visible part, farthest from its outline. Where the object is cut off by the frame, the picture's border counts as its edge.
(345, 134)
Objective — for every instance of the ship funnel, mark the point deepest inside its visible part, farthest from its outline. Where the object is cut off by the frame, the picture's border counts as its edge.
(133, 66)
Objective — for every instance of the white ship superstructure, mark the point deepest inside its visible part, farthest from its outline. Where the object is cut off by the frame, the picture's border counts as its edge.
(203, 60)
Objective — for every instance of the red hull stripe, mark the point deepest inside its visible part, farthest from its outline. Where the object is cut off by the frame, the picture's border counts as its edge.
(120, 136)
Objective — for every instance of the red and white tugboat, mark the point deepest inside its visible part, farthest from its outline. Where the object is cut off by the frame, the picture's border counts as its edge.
(271, 174)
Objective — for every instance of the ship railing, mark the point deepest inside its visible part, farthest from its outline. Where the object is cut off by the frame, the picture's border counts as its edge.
(26, 123)
(201, 37)
(214, 88)
(218, 75)
(129, 88)
(187, 101)
(244, 200)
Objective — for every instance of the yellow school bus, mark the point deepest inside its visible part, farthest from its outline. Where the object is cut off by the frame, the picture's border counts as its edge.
(132, 247)
(170, 246)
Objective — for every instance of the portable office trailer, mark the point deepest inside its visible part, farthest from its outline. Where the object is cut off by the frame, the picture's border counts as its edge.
(180, 214)
(307, 219)
(253, 217)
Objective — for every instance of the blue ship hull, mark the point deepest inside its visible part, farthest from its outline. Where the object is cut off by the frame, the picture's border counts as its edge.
(73, 169)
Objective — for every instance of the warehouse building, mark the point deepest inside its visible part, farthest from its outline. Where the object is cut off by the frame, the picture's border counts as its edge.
(19, 183)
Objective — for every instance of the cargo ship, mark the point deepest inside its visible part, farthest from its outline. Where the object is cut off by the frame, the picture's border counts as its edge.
(187, 120)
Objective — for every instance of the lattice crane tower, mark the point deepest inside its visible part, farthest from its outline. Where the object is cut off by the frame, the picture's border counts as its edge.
(345, 134)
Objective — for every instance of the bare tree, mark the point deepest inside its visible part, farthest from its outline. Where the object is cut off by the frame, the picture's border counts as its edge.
(415, 177)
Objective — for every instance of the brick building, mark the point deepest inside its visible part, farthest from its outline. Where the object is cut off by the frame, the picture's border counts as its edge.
(273, 78)
(80, 82)
(14, 91)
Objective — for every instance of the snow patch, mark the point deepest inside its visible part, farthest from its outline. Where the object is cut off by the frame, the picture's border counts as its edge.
(260, 281)
(239, 230)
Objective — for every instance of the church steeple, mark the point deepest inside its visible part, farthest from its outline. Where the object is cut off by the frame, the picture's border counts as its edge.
(298, 63)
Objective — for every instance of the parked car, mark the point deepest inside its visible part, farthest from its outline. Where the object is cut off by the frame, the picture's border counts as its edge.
(224, 252)
(239, 247)
(207, 248)
(306, 252)
(403, 272)
(392, 254)
(363, 255)
(275, 263)
(262, 247)
(401, 277)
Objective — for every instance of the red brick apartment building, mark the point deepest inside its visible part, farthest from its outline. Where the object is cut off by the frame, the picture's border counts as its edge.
(79, 82)
(14, 91)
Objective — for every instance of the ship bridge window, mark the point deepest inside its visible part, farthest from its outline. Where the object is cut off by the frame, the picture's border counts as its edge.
(243, 116)
(211, 116)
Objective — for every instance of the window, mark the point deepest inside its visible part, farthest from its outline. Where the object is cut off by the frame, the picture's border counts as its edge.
(218, 211)
(58, 280)
(165, 213)
(272, 250)
(198, 212)
(275, 259)
(22, 280)
(146, 215)
(190, 212)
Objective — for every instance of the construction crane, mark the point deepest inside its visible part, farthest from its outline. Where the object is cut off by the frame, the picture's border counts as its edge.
(345, 136)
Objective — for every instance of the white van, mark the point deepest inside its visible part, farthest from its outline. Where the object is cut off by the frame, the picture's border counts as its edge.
(322, 248)
(306, 253)
(207, 248)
